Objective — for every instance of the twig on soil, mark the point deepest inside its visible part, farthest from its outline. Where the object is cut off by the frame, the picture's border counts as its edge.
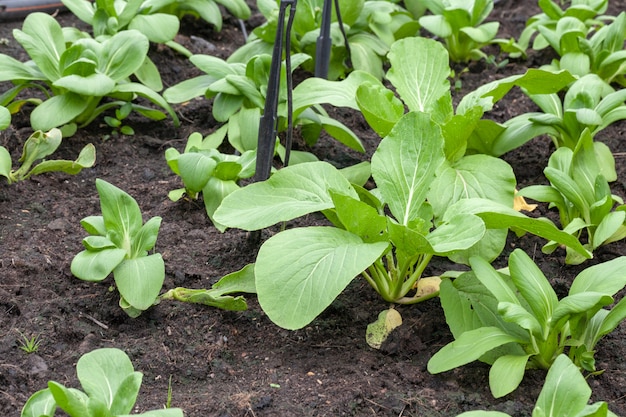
(99, 323)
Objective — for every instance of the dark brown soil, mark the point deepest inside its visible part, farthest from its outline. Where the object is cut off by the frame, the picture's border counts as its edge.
(241, 364)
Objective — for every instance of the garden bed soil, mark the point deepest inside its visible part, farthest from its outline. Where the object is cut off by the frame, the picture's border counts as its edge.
(239, 363)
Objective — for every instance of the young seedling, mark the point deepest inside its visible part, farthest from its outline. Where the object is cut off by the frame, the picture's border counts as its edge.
(110, 387)
(514, 321)
(119, 243)
(37, 147)
(29, 345)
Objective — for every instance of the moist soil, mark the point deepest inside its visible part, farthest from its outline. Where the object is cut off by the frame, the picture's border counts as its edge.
(239, 363)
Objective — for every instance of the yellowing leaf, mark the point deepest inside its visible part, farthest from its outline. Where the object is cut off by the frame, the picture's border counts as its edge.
(427, 286)
(378, 331)
(519, 204)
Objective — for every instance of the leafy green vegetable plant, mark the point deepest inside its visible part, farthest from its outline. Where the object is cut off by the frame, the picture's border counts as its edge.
(370, 27)
(29, 345)
(75, 73)
(589, 103)
(119, 242)
(239, 91)
(461, 24)
(513, 319)
(204, 169)
(589, 12)
(208, 10)
(602, 54)
(110, 388)
(582, 195)
(391, 251)
(38, 146)
(565, 393)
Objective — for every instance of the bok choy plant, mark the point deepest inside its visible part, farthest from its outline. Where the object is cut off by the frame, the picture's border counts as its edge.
(461, 25)
(514, 321)
(581, 194)
(370, 28)
(38, 146)
(119, 242)
(602, 54)
(565, 393)
(110, 388)
(75, 73)
(239, 93)
(390, 249)
(589, 12)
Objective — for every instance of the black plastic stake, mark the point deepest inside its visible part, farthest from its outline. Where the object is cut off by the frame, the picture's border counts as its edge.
(324, 41)
(267, 126)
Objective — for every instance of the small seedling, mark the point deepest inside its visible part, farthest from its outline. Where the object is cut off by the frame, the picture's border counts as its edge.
(29, 345)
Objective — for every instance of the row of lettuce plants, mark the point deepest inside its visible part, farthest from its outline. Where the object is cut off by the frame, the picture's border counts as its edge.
(441, 189)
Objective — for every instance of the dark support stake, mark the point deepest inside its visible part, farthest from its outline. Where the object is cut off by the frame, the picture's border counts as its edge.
(267, 126)
(324, 41)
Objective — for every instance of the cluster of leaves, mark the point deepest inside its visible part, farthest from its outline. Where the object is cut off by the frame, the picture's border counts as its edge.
(565, 393)
(514, 321)
(416, 168)
(110, 386)
(75, 73)
(37, 147)
(461, 25)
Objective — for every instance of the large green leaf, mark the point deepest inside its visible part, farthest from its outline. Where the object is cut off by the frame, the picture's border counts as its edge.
(103, 373)
(468, 347)
(506, 373)
(40, 404)
(57, 111)
(123, 54)
(405, 163)
(139, 280)
(42, 37)
(419, 71)
(481, 176)
(5, 162)
(96, 266)
(121, 213)
(459, 233)
(289, 193)
(565, 391)
(299, 272)
(533, 286)
(380, 107)
(158, 27)
(608, 278)
(499, 216)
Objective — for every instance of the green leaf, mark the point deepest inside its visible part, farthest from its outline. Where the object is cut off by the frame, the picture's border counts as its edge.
(607, 278)
(42, 37)
(103, 373)
(94, 85)
(492, 280)
(419, 71)
(157, 27)
(96, 266)
(533, 286)
(5, 118)
(94, 225)
(123, 54)
(40, 404)
(214, 193)
(459, 233)
(139, 280)
(97, 243)
(86, 159)
(506, 373)
(121, 214)
(405, 163)
(607, 227)
(299, 272)
(57, 111)
(565, 391)
(289, 193)
(195, 169)
(587, 303)
(481, 176)
(70, 400)
(146, 238)
(380, 107)
(468, 347)
(5, 162)
(360, 218)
